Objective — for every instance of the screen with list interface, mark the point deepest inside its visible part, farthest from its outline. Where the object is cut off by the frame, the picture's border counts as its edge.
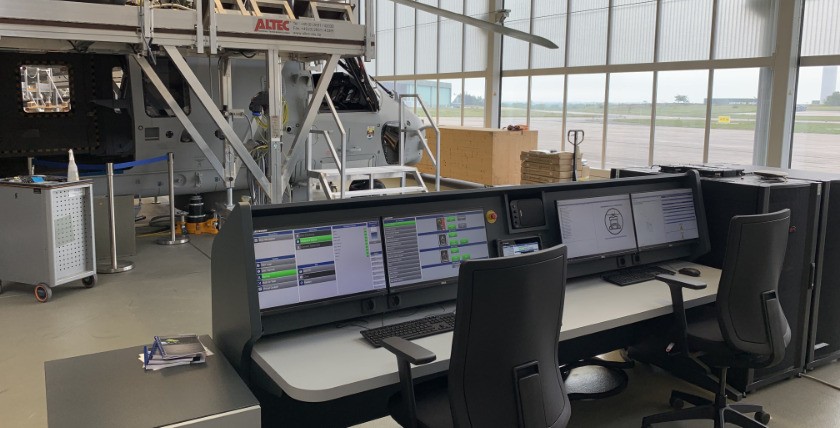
(517, 248)
(664, 217)
(431, 247)
(320, 262)
(597, 226)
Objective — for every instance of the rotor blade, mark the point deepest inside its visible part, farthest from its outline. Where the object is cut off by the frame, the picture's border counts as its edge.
(507, 31)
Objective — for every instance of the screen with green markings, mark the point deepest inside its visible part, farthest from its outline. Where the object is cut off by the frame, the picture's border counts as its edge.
(428, 249)
(316, 263)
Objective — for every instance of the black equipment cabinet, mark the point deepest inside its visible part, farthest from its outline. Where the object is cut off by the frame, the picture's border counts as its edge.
(824, 336)
(727, 197)
(823, 342)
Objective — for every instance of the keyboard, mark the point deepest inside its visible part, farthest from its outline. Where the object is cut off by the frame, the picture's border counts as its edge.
(635, 275)
(414, 329)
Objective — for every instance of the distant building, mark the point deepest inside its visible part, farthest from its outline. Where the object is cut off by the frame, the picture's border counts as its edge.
(829, 82)
(428, 91)
(732, 101)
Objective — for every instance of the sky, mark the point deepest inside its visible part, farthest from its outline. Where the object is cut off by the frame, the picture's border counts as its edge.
(810, 82)
(819, 24)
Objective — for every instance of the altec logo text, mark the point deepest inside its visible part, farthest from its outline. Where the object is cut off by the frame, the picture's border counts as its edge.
(272, 25)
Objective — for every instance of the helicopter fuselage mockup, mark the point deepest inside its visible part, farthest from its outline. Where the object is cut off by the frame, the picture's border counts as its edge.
(116, 115)
(125, 80)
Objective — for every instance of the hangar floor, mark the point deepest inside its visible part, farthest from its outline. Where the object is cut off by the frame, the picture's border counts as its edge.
(169, 292)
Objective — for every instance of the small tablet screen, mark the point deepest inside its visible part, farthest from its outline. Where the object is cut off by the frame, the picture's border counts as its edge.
(515, 247)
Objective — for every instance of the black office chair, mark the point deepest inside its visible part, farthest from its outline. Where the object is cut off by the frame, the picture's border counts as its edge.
(503, 369)
(749, 329)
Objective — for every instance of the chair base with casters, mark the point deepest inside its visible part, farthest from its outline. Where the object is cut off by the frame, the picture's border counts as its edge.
(748, 329)
(692, 370)
(717, 410)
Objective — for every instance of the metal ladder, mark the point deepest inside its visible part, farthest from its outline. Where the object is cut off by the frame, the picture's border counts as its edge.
(254, 7)
(343, 9)
(342, 173)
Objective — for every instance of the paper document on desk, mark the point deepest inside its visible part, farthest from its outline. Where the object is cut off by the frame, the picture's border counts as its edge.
(158, 363)
(170, 351)
(162, 364)
(184, 345)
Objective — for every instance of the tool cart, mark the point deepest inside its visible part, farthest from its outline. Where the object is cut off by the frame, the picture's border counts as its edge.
(46, 233)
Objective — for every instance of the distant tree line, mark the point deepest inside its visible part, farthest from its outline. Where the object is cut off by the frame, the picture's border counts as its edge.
(469, 100)
(833, 99)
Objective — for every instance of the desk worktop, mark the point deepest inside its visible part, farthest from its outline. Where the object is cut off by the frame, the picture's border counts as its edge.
(111, 389)
(329, 362)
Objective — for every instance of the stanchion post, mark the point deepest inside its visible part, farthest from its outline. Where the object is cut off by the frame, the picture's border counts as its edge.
(114, 265)
(172, 239)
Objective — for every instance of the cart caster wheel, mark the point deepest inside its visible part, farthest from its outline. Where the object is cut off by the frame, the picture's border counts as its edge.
(43, 293)
(762, 417)
(89, 282)
(677, 403)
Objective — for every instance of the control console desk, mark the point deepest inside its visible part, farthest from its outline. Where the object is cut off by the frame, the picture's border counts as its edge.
(292, 285)
(326, 363)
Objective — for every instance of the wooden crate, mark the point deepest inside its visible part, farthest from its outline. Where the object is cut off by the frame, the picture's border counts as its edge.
(481, 155)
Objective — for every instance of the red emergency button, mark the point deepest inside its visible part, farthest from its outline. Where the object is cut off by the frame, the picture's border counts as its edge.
(492, 216)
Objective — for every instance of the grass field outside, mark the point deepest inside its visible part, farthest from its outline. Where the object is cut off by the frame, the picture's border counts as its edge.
(742, 117)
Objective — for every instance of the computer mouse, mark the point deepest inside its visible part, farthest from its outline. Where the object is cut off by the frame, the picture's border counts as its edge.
(690, 271)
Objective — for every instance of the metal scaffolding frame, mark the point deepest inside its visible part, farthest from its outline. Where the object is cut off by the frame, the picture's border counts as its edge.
(194, 29)
(143, 29)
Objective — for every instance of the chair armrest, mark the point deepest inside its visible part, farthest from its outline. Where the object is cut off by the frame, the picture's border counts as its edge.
(681, 281)
(676, 283)
(409, 351)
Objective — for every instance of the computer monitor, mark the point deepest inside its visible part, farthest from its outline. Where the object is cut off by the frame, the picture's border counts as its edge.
(664, 217)
(297, 266)
(427, 249)
(597, 227)
(515, 247)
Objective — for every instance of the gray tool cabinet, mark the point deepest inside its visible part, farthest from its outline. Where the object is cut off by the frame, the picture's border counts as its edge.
(46, 234)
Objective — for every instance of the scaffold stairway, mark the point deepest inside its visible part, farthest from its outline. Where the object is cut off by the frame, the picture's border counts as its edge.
(341, 10)
(254, 7)
(327, 178)
(344, 175)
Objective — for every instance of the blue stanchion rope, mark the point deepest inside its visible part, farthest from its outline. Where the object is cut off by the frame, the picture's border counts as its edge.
(94, 167)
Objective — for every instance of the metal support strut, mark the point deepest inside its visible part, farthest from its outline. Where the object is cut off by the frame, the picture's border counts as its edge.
(219, 119)
(172, 239)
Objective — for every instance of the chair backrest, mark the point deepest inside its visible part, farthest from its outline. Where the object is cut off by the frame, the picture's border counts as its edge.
(749, 312)
(503, 369)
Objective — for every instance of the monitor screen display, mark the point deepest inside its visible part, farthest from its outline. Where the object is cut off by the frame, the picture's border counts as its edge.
(516, 247)
(431, 247)
(597, 226)
(664, 217)
(316, 263)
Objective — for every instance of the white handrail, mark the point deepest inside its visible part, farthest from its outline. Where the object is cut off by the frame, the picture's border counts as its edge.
(330, 145)
(343, 165)
(435, 159)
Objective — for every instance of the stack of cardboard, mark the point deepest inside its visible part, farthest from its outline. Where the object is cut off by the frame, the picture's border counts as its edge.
(481, 155)
(540, 166)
